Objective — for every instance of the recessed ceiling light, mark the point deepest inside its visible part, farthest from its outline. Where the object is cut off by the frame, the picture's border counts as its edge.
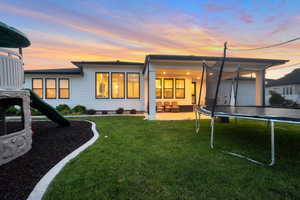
(188, 73)
(164, 72)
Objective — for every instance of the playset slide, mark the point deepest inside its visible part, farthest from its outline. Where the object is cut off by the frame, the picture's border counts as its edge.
(47, 110)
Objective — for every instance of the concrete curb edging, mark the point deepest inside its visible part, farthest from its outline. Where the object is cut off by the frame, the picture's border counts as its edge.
(41, 187)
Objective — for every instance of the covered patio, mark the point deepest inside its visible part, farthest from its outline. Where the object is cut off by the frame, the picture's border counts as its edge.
(176, 80)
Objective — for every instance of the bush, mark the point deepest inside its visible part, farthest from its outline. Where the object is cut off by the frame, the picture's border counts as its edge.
(276, 99)
(120, 111)
(11, 111)
(104, 112)
(79, 109)
(35, 112)
(133, 111)
(62, 107)
(90, 112)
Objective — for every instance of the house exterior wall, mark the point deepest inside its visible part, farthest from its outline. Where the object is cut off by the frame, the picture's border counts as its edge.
(82, 89)
(246, 94)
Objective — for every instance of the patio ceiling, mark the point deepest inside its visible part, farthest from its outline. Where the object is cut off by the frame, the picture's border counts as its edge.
(179, 72)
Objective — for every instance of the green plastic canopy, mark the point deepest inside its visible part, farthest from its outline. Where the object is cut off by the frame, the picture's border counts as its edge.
(12, 38)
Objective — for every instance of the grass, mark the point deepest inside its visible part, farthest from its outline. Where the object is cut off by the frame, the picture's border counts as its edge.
(140, 159)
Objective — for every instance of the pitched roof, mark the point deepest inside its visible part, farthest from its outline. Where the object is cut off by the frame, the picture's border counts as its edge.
(81, 63)
(290, 78)
(55, 71)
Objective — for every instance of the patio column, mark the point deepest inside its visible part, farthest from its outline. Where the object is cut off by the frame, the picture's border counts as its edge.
(260, 88)
(152, 95)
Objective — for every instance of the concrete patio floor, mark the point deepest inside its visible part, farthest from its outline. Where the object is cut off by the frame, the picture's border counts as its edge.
(177, 116)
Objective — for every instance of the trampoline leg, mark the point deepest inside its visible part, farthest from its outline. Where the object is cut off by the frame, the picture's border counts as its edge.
(197, 123)
(272, 162)
(212, 127)
(272, 144)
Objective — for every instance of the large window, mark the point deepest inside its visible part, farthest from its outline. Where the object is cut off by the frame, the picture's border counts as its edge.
(102, 85)
(118, 85)
(50, 88)
(133, 85)
(168, 88)
(158, 84)
(37, 86)
(180, 88)
(64, 88)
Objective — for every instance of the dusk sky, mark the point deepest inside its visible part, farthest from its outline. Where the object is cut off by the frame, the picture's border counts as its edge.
(90, 30)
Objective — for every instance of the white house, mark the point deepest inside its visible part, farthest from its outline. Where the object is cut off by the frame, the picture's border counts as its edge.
(287, 86)
(133, 85)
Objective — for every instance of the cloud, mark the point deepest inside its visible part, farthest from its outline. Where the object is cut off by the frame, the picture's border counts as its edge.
(271, 19)
(246, 17)
(212, 7)
(65, 35)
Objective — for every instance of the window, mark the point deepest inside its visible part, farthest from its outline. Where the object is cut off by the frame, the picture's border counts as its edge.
(50, 88)
(11, 107)
(158, 84)
(37, 86)
(291, 90)
(168, 88)
(133, 85)
(180, 88)
(64, 88)
(117, 85)
(283, 91)
(102, 85)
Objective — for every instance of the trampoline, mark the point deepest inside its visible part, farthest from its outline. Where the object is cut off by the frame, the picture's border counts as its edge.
(221, 85)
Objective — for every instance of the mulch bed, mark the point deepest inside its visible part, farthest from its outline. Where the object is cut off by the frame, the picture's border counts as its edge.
(50, 145)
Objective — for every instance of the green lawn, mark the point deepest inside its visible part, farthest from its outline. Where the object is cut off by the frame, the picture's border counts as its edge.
(140, 159)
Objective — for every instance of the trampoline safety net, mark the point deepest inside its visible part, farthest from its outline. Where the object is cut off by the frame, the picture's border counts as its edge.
(234, 84)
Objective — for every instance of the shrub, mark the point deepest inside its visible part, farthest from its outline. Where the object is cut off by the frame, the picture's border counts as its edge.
(11, 111)
(120, 111)
(133, 111)
(276, 99)
(104, 112)
(90, 111)
(79, 109)
(63, 107)
(35, 112)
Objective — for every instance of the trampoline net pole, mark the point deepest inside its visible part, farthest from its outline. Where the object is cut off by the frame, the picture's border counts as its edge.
(201, 83)
(236, 87)
(219, 81)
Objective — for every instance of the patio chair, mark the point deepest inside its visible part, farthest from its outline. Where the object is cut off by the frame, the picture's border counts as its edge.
(174, 107)
(168, 106)
(159, 107)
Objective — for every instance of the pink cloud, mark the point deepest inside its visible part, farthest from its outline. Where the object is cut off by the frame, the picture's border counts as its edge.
(246, 18)
(211, 7)
(271, 19)
(283, 26)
